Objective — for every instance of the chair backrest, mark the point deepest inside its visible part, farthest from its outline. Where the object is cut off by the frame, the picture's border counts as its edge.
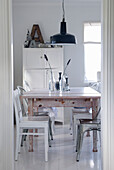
(96, 86)
(24, 106)
(26, 86)
(21, 90)
(17, 106)
(97, 113)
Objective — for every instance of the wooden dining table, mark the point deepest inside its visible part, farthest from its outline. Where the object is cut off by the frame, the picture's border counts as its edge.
(75, 97)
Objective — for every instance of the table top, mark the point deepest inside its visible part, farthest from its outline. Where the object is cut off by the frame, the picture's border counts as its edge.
(75, 92)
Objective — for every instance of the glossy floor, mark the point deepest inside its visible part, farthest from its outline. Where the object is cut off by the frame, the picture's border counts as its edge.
(62, 155)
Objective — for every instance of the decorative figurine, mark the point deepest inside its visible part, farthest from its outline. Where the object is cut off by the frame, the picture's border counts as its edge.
(28, 40)
(32, 44)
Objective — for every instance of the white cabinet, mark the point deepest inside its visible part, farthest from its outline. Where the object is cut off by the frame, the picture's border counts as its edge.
(36, 70)
(33, 58)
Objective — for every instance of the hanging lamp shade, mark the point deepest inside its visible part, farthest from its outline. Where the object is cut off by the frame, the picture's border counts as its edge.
(63, 37)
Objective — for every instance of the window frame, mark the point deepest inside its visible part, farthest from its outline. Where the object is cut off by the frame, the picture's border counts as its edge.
(89, 42)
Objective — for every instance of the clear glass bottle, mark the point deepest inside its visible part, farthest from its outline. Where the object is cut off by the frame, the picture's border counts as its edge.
(60, 81)
(52, 83)
(63, 82)
(67, 84)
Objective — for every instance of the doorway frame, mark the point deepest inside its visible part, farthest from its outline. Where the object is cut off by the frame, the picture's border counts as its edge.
(6, 119)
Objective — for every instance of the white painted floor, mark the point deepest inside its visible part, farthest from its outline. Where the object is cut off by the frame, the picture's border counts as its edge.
(62, 155)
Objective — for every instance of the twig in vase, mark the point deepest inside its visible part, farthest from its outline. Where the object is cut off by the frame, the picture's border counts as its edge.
(46, 58)
(66, 66)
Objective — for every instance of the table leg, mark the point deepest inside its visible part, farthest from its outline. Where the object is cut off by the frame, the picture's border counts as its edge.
(94, 112)
(30, 113)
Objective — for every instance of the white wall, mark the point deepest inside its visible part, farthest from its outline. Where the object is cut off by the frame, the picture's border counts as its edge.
(49, 15)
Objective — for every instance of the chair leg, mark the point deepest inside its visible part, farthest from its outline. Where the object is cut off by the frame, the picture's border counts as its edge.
(24, 136)
(100, 137)
(26, 131)
(77, 138)
(53, 125)
(20, 139)
(74, 129)
(88, 134)
(50, 129)
(49, 141)
(17, 145)
(81, 134)
(46, 144)
(70, 124)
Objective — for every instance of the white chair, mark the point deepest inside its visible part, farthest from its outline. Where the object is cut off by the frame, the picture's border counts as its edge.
(44, 111)
(77, 113)
(31, 123)
(40, 112)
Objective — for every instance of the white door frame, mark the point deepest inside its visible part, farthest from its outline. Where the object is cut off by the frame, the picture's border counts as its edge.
(6, 85)
(108, 84)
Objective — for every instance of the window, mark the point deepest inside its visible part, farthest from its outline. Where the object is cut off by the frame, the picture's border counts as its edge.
(92, 50)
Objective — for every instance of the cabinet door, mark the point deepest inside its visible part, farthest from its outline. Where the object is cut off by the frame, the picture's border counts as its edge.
(33, 58)
(55, 56)
(35, 78)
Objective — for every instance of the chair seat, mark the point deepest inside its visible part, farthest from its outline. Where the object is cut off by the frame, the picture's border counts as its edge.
(78, 113)
(74, 110)
(35, 118)
(82, 115)
(90, 121)
(45, 111)
(33, 121)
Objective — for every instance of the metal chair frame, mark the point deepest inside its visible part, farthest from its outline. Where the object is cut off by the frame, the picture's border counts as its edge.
(86, 125)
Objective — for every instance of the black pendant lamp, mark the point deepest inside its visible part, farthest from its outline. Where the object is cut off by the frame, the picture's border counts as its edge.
(63, 38)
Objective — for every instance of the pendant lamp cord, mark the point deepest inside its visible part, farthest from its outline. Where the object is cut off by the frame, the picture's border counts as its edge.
(63, 10)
